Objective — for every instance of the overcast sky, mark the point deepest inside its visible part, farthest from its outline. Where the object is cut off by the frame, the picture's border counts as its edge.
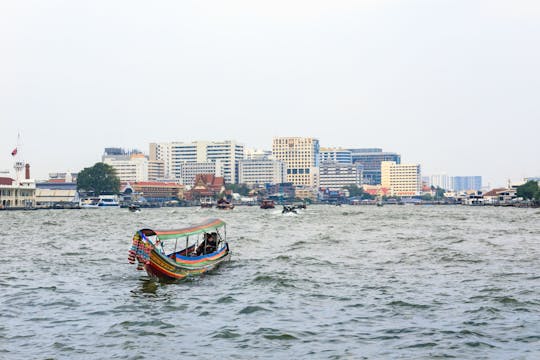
(452, 85)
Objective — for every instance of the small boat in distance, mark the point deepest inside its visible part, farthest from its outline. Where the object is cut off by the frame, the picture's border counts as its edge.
(108, 201)
(268, 204)
(205, 247)
(134, 208)
(223, 204)
(207, 203)
(289, 209)
(89, 203)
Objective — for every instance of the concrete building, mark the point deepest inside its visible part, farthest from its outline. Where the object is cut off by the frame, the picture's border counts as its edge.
(442, 180)
(342, 156)
(158, 191)
(371, 159)
(334, 175)
(301, 155)
(257, 154)
(465, 183)
(402, 179)
(133, 167)
(188, 171)
(17, 195)
(174, 154)
(156, 170)
(261, 171)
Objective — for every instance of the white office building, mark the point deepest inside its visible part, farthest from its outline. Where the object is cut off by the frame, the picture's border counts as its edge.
(175, 154)
(261, 171)
(339, 155)
(128, 168)
(334, 175)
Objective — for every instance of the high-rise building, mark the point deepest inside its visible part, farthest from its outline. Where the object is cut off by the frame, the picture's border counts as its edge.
(465, 183)
(130, 166)
(442, 181)
(301, 155)
(402, 179)
(261, 171)
(371, 159)
(334, 175)
(174, 154)
(342, 156)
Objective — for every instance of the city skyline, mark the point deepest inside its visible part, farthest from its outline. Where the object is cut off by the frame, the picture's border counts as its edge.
(450, 86)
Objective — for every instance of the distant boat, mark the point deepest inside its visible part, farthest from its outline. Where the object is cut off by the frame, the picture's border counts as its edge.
(207, 203)
(268, 204)
(108, 201)
(134, 208)
(289, 209)
(89, 203)
(223, 204)
(155, 250)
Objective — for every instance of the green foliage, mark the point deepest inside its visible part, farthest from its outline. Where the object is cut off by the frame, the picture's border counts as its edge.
(99, 179)
(529, 190)
(355, 191)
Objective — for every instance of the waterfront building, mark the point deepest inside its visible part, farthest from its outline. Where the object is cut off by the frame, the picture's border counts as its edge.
(466, 183)
(261, 171)
(371, 159)
(306, 193)
(281, 192)
(174, 154)
(342, 156)
(57, 192)
(207, 186)
(402, 179)
(17, 194)
(157, 190)
(334, 175)
(301, 156)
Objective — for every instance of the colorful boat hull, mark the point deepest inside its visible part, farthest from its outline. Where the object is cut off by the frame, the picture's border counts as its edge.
(180, 267)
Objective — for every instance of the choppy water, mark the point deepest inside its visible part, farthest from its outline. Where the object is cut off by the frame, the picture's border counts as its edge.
(345, 282)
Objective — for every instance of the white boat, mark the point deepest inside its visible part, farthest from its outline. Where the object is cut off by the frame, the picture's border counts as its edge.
(89, 203)
(108, 201)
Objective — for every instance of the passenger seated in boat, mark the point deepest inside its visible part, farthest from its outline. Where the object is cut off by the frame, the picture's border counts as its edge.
(209, 244)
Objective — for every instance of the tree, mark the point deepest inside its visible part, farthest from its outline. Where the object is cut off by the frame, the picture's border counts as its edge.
(99, 179)
(355, 191)
(527, 190)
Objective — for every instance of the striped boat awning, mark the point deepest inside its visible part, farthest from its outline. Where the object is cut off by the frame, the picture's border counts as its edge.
(206, 226)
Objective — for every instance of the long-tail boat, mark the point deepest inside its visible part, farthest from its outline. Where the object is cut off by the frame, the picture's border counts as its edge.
(202, 247)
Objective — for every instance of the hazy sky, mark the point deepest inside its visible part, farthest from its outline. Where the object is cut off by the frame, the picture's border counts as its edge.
(452, 85)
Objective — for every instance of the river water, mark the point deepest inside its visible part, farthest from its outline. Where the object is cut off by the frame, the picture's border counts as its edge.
(350, 282)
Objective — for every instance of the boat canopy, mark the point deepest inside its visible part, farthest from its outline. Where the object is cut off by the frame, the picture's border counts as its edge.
(206, 226)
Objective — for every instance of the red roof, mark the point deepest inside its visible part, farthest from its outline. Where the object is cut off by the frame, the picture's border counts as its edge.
(6, 181)
(156, 183)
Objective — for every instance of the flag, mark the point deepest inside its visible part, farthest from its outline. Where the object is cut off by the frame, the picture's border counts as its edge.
(14, 152)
